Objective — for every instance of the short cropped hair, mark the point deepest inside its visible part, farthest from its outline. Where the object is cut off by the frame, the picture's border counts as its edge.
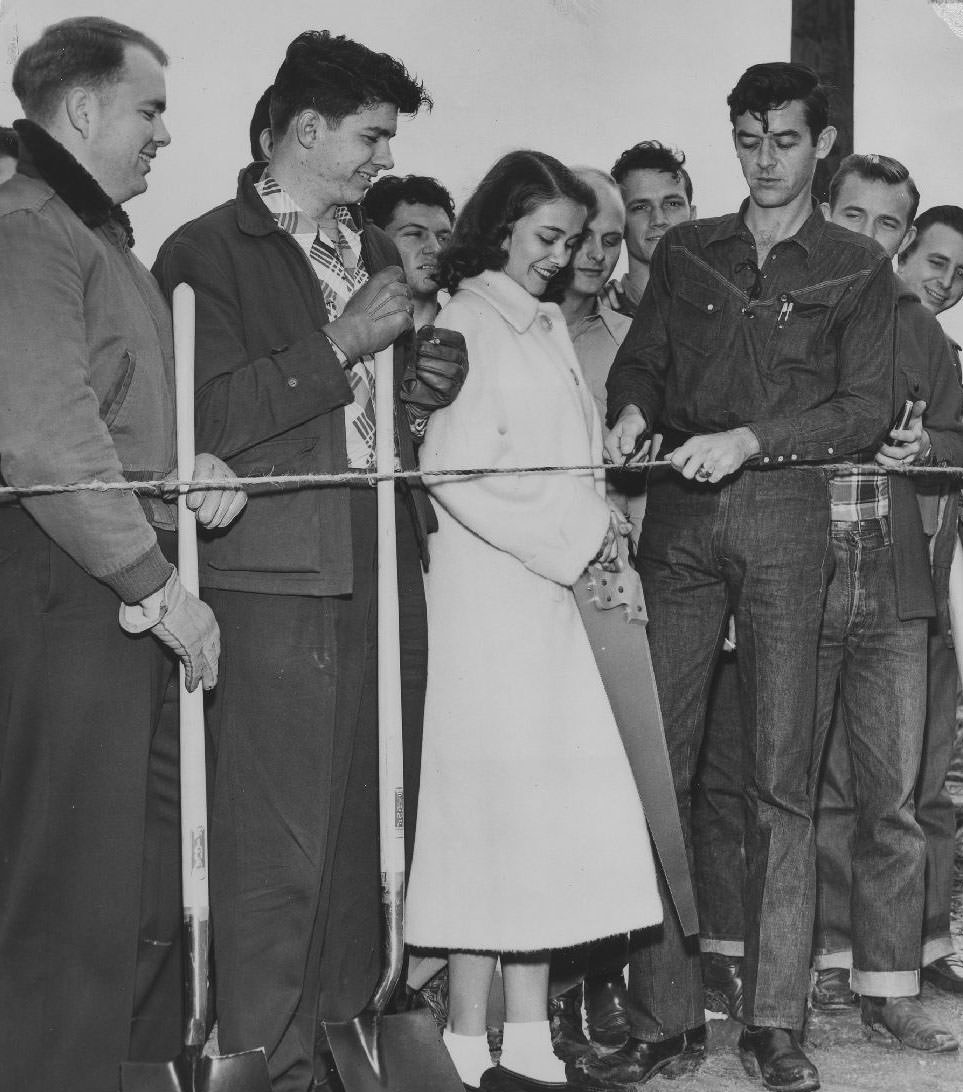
(87, 51)
(260, 120)
(337, 77)
(949, 215)
(653, 155)
(514, 187)
(9, 145)
(875, 168)
(765, 87)
(388, 193)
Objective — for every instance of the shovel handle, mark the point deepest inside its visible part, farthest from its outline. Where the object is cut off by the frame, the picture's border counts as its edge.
(391, 798)
(193, 758)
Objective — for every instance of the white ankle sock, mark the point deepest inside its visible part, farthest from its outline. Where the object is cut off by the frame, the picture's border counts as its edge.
(527, 1049)
(469, 1053)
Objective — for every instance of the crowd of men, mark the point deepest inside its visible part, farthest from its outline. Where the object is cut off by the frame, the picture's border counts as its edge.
(797, 584)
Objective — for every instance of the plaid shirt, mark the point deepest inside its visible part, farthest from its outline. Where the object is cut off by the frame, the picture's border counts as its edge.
(859, 494)
(340, 272)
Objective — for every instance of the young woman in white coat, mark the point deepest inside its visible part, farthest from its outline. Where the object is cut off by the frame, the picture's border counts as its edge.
(524, 777)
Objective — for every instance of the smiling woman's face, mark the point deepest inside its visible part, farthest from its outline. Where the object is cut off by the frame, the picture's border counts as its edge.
(542, 243)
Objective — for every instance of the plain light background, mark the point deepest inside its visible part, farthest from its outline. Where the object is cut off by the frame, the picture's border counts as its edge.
(580, 79)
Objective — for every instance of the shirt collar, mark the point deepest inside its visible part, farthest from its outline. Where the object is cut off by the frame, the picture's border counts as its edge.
(600, 313)
(734, 226)
(290, 217)
(516, 306)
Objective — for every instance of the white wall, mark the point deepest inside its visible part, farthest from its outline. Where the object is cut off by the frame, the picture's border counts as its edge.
(580, 79)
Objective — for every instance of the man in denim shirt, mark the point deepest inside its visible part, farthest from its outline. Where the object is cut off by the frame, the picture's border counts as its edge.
(766, 335)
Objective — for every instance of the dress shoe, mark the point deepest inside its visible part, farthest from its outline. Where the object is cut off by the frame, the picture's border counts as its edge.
(775, 1055)
(565, 1024)
(831, 990)
(500, 1079)
(906, 1020)
(636, 1061)
(946, 973)
(722, 980)
(605, 1010)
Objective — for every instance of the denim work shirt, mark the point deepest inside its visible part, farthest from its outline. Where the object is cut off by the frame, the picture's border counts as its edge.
(800, 350)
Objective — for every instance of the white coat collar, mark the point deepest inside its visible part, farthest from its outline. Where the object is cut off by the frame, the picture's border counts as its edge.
(516, 306)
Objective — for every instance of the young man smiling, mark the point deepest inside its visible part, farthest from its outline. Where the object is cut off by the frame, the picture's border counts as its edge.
(764, 341)
(294, 297)
(416, 213)
(873, 655)
(657, 193)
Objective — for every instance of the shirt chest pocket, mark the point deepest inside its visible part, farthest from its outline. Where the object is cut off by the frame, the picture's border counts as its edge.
(804, 321)
(698, 311)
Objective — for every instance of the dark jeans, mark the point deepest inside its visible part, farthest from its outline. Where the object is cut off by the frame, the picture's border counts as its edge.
(719, 816)
(870, 850)
(90, 917)
(756, 547)
(294, 839)
(935, 811)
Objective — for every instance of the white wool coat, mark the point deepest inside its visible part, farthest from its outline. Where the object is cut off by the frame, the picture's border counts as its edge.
(530, 833)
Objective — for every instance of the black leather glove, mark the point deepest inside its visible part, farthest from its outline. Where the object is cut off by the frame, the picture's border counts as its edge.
(435, 376)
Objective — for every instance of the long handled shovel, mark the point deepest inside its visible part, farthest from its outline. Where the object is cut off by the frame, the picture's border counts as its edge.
(192, 1070)
(400, 1052)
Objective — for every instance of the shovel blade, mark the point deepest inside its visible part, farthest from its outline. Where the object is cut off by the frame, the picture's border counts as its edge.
(246, 1071)
(402, 1052)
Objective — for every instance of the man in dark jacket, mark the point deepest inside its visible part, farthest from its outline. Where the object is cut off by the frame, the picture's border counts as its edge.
(871, 851)
(294, 295)
(89, 913)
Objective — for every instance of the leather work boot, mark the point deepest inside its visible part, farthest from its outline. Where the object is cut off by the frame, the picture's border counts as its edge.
(605, 1010)
(636, 1062)
(775, 1055)
(565, 1024)
(831, 990)
(722, 981)
(946, 973)
(905, 1019)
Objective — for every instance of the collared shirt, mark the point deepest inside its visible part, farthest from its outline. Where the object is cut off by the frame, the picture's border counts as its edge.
(340, 271)
(799, 350)
(622, 296)
(597, 337)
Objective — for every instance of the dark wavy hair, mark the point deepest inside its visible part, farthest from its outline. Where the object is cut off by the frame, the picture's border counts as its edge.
(389, 192)
(653, 155)
(950, 216)
(765, 87)
(260, 120)
(517, 185)
(88, 51)
(337, 76)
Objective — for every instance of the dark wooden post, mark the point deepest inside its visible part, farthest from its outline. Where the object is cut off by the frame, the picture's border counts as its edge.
(822, 37)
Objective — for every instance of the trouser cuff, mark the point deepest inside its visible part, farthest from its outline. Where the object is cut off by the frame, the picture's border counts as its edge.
(722, 947)
(936, 948)
(885, 983)
(826, 961)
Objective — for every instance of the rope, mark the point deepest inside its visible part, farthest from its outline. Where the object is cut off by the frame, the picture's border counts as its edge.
(364, 477)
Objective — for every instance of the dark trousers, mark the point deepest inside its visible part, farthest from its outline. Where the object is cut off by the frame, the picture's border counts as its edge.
(90, 971)
(719, 816)
(935, 811)
(870, 849)
(294, 835)
(756, 547)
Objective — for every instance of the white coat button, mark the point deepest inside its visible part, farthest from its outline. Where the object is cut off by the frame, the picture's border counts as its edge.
(545, 321)
(292, 382)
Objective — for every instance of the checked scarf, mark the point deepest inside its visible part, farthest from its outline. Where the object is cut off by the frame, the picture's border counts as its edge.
(340, 271)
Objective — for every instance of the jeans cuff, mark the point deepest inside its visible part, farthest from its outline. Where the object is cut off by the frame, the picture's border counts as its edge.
(935, 948)
(885, 983)
(722, 947)
(826, 961)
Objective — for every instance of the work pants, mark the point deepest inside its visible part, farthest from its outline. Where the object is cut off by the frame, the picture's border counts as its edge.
(294, 841)
(756, 547)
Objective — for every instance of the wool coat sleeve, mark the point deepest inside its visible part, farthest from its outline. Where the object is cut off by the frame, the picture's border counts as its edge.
(553, 523)
(50, 424)
(245, 397)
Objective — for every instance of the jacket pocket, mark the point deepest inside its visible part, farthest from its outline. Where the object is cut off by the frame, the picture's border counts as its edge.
(697, 316)
(117, 392)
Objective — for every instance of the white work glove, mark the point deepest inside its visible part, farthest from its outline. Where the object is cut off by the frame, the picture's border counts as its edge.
(183, 623)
